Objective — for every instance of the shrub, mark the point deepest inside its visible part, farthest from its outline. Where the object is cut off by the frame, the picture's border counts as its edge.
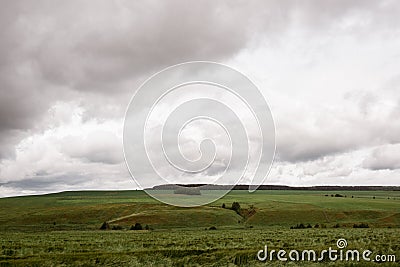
(247, 213)
(338, 195)
(223, 205)
(116, 227)
(137, 226)
(212, 228)
(299, 226)
(361, 225)
(236, 207)
(105, 226)
(336, 226)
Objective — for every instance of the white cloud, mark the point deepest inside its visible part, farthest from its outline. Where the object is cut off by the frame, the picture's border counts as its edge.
(386, 157)
(73, 155)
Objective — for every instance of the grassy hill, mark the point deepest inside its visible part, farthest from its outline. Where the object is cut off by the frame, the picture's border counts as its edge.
(87, 210)
(63, 229)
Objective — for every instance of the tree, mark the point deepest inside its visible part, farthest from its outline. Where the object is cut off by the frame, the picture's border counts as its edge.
(236, 207)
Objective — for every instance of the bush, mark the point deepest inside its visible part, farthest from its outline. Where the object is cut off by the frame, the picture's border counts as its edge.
(212, 228)
(247, 212)
(116, 227)
(338, 195)
(336, 226)
(105, 226)
(299, 226)
(236, 207)
(137, 226)
(223, 205)
(361, 225)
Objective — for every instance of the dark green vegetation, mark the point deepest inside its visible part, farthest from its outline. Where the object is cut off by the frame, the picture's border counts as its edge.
(63, 229)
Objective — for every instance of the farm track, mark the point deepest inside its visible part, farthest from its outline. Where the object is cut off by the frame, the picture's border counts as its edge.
(127, 216)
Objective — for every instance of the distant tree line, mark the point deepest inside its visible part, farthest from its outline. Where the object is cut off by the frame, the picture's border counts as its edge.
(278, 187)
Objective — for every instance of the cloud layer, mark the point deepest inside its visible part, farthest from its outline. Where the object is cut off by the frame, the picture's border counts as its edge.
(329, 70)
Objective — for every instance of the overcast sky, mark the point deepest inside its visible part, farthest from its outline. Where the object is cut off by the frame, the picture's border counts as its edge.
(330, 71)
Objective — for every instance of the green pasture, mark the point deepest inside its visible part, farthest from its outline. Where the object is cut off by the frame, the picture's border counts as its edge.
(63, 229)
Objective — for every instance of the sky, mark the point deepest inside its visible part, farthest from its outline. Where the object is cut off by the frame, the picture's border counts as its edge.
(329, 70)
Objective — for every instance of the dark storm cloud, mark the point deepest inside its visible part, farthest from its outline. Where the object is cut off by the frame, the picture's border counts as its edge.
(51, 182)
(93, 48)
(49, 49)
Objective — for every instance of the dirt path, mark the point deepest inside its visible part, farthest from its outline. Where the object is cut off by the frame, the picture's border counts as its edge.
(124, 217)
(127, 216)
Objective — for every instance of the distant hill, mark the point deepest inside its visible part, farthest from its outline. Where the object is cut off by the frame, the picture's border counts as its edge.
(280, 187)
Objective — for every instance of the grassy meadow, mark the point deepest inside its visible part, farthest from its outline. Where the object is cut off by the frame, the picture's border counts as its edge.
(63, 229)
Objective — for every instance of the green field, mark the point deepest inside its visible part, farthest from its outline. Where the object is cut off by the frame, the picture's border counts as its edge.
(63, 229)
